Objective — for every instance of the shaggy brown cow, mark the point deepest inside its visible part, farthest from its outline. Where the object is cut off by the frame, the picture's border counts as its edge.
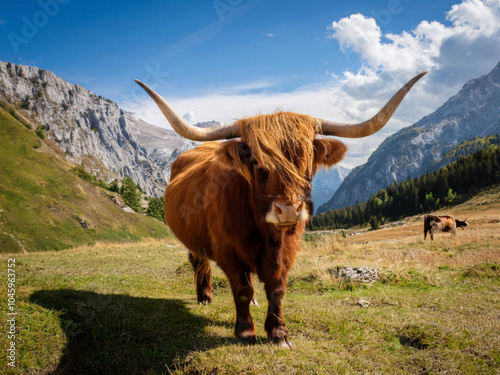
(443, 223)
(244, 203)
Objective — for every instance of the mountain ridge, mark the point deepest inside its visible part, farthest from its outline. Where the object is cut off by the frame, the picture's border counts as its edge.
(91, 130)
(473, 111)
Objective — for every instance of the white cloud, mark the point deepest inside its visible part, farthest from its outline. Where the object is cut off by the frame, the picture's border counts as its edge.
(249, 87)
(423, 47)
(227, 108)
(475, 18)
(190, 117)
(465, 48)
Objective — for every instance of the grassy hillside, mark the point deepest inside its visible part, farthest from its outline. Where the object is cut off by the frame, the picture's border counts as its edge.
(131, 308)
(45, 207)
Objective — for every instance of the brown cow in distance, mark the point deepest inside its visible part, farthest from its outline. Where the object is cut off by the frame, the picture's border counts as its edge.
(244, 202)
(443, 223)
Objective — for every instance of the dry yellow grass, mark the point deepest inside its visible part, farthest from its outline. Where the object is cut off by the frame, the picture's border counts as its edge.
(399, 248)
(131, 308)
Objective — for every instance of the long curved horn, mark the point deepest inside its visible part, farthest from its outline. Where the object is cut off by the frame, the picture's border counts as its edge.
(374, 124)
(184, 128)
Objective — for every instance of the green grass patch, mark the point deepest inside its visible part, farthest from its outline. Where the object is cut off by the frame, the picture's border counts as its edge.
(482, 271)
(131, 308)
(416, 337)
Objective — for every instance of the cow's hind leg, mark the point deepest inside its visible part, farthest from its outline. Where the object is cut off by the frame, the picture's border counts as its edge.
(203, 278)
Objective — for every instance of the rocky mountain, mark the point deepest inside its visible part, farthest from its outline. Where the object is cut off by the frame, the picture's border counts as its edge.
(326, 182)
(161, 145)
(91, 130)
(207, 124)
(473, 111)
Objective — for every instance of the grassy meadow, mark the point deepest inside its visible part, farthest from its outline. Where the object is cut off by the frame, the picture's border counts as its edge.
(130, 308)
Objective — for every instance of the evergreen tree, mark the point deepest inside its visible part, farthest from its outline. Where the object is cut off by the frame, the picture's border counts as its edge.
(450, 196)
(40, 131)
(425, 193)
(113, 186)
(155, 208)
(131, 194)
(430, 202)
(374, 222)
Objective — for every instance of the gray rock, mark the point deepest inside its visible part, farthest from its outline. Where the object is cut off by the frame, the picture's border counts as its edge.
(127, 209)
(364, 275)
(83, 222)
(363, 303)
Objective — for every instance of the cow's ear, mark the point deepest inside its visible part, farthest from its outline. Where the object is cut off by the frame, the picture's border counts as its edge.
(236, 155)
(327, 152)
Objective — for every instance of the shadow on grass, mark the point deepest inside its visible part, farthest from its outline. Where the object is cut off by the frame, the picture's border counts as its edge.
(118, 334)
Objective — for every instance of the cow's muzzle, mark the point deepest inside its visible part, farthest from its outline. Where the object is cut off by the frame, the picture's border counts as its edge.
(284, 213)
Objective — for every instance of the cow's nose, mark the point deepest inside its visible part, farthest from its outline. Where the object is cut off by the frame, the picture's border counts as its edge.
(285, 213)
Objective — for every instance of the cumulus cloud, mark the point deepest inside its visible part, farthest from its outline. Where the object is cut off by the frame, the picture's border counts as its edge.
(465, 47)
(427, 47)
(360, 34)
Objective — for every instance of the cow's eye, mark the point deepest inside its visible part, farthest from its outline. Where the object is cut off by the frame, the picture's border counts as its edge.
(263, 174)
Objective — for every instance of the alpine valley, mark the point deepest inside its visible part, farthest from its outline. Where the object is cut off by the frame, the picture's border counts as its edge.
(87, 130)
(419, 148)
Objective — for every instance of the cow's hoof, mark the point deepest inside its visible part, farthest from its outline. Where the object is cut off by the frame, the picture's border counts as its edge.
(284, 344)
(250, 339)
(245, 330)
(204, 299)
(247, 337)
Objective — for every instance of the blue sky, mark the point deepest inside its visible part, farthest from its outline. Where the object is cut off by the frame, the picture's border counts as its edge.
(103, 45)
(225, 59)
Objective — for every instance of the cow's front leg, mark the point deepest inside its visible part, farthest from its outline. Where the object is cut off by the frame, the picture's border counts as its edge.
(275, 325)
(241, 286)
